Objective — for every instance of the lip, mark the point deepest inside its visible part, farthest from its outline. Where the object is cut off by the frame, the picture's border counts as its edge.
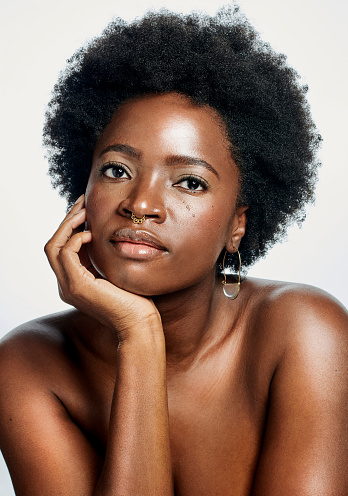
(137, 244)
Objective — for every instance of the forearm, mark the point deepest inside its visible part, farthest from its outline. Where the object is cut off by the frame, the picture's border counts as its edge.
(138, 460)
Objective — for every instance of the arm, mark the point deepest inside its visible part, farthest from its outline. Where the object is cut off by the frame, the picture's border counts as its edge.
(138, 457)
(305, 447)
(45, 451)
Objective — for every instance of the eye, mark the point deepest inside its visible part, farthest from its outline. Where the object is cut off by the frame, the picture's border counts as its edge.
(192, 183)
(114, 171)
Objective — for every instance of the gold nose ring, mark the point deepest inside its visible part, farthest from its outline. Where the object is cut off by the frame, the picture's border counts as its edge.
(137, 220)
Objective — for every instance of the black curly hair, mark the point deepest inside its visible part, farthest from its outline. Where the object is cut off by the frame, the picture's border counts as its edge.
(218, 61)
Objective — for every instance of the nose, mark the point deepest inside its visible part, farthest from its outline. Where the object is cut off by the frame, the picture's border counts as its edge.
(144, 198)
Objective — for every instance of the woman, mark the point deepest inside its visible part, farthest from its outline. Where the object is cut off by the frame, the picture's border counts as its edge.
(192, 147)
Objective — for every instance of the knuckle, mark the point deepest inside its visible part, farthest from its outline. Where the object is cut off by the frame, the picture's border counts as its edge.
(64, 253)
(48, 247)
(70, 293)
(73, 289)
(62, 296)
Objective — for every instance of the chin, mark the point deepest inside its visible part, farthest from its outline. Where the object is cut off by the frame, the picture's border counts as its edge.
(136, 284)
(139, 287)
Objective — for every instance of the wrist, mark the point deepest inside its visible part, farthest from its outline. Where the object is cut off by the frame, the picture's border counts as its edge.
(147, 332)
(142, 337)
(141, 356)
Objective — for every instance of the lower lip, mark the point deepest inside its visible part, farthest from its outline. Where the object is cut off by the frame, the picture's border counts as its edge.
(137, 251)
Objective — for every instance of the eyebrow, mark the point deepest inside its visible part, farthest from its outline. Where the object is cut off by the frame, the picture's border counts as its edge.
(172, 160)
(188, 160)
(126, 149)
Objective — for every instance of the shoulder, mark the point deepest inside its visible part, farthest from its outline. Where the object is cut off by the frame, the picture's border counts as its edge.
(296, 323)
(297, 309)
(308, 390)
(34, 349)
(307, 331)
(39, 439)
(44, 332)
(35, 363)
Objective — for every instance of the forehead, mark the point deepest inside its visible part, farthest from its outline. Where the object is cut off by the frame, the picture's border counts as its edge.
(169, 122)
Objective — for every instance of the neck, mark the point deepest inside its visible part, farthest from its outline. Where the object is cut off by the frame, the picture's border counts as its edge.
(190, 318)
(187, 317)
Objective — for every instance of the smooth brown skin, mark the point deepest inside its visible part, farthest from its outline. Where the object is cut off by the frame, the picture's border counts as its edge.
(188, 393)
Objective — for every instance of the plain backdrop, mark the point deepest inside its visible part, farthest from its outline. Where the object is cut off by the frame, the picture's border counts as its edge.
(36, 39)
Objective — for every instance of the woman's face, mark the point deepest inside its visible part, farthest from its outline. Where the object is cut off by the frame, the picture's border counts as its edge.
(163, 157)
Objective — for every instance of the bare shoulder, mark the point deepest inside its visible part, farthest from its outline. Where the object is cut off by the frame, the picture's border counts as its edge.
(287, 294)
(293, 324)
(307, 392)
(35, 344)
(31, 357)
(313, 329)
(298, 312)
(37, 359)
(40, 441)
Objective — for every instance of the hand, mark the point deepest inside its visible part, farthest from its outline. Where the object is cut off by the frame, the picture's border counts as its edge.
(80, 286)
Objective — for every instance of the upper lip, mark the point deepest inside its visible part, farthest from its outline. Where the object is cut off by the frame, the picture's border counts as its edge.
(137, 237)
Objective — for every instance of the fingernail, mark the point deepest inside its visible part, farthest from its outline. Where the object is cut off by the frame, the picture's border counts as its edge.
(79, 199)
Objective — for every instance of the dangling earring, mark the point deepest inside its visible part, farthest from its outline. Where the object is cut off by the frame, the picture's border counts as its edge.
(231, 289)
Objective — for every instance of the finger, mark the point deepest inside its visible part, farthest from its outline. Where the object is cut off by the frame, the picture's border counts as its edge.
(86, 261)
(78, 205)
(75, 281)
(62, 236)
(69, 271)
(68, 227)
(69, 255)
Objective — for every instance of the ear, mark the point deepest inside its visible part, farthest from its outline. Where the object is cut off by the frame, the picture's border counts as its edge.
(237, 229)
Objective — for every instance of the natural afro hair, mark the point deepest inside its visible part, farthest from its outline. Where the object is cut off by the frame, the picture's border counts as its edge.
(217, 61)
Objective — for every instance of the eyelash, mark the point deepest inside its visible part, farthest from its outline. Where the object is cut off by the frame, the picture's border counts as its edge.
(196, 179)
(115, 165)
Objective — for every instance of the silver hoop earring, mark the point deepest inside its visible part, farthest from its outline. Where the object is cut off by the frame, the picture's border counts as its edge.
(231, 289)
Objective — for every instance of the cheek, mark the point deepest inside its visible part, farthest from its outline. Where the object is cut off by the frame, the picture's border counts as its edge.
(204, 230)
(97, 203)
(213, 219)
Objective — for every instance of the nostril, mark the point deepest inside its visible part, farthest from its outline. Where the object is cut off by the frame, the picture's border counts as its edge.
(138, 211)
(127, 212)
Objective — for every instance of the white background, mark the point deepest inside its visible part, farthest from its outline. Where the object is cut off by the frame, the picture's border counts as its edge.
(36, 39)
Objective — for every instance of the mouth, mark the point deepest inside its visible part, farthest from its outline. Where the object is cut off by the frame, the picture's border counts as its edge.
(137, 244)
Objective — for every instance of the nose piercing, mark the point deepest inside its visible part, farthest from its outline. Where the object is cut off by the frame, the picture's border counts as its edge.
(137, 220)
